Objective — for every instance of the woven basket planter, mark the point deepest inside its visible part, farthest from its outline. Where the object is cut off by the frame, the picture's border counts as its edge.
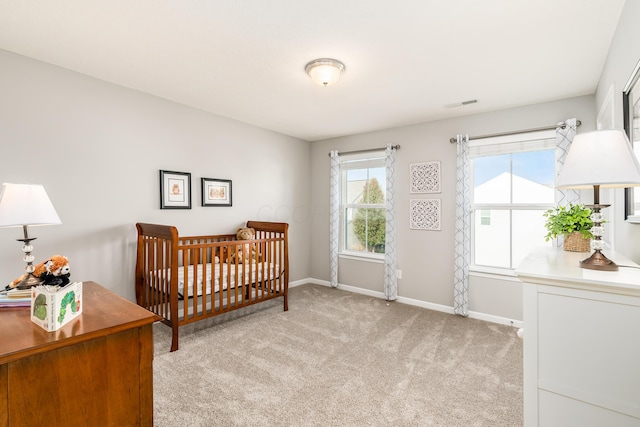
(574, 242)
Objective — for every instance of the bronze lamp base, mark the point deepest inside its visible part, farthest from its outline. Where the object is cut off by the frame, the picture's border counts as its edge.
(597, 261)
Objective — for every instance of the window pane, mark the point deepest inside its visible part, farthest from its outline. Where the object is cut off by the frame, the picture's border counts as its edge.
(528, 232)
(365, 230)
(492, 241)
(364, 186)
(634, 98)
(355, 182)
(492, 179)
(376, 186)
(533, 177)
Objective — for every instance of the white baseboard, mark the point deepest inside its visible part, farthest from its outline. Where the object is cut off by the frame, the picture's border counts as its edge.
(410, 301)
(299, 282)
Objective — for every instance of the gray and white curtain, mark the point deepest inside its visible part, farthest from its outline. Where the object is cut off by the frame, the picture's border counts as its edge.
(390, 267)
(462, 245)
(334, 217)
(564, 138)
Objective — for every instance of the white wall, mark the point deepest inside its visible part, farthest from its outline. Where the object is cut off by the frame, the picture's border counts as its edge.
(426, 257)
(97, 148)
(624, 54)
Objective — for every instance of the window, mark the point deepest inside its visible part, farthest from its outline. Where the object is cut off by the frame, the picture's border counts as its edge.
(513, 185)
(631, 107)
(363, 204)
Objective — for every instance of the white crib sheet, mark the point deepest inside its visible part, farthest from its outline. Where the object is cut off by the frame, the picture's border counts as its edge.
(250, 272)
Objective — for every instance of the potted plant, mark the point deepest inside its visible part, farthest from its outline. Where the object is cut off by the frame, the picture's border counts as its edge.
(574, 223)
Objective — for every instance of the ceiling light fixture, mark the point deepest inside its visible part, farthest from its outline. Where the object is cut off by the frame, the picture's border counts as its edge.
(325, 71)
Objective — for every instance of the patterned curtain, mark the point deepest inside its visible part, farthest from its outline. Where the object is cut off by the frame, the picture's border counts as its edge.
(390, 278)
(462, 242)
(564, 138)
(334, 217)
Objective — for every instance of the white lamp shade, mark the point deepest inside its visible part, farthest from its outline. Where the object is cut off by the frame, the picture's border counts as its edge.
(325, 72)
(26, 204)
(602, 157)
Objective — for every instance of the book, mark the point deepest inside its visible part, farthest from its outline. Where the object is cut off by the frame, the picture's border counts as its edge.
(52, 307)
(15, 298)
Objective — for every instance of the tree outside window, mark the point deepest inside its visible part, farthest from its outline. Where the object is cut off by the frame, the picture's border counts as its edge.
(369, 224)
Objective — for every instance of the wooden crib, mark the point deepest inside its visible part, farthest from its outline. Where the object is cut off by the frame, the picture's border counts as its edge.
(187, 279)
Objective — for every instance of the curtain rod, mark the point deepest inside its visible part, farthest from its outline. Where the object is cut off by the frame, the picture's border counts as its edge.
(395, 147)
(561, 125)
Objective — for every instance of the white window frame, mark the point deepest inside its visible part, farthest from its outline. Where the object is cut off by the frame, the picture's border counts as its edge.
(509, 144)
(373, 159)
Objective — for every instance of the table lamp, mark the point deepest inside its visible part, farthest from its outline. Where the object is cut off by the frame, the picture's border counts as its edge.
(602, 158)
(22, 205)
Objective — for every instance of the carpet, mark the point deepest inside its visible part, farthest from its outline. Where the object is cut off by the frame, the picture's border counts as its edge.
(338, 358)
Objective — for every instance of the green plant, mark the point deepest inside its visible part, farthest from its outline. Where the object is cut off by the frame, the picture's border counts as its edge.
(563, 220)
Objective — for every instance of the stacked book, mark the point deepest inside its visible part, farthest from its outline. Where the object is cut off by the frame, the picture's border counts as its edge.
(15, 298)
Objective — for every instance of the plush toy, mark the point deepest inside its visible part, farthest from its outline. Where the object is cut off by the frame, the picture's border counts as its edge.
(248, 252)
(55, 271)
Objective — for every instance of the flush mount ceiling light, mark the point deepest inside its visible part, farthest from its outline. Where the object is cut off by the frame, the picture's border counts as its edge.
(325, 71)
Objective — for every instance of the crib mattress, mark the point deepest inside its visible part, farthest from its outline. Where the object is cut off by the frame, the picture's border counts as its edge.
(224, 276)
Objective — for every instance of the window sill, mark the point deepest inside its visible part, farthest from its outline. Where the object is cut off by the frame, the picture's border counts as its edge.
(493, 273)
(363, 257)
(633, 219)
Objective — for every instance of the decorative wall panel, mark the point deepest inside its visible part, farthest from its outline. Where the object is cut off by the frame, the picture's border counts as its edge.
(425, 214)
(424, 177)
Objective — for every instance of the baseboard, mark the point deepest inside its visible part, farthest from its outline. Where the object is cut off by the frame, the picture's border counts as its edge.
(299, 282)
(410, 301)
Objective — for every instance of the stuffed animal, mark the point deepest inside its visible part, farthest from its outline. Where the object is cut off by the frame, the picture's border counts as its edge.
(55, 271)
(248, 252)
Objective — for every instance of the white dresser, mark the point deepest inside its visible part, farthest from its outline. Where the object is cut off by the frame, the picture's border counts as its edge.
(581, 341)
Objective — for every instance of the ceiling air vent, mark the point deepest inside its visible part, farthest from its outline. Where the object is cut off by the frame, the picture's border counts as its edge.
(461, 104)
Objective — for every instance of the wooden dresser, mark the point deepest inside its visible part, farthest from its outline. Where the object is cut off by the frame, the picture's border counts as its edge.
(581, 342)
(95, 371)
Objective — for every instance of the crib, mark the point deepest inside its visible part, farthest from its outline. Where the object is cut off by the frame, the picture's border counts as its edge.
(187, 279)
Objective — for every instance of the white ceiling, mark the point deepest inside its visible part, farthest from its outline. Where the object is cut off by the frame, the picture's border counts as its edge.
(405, 59)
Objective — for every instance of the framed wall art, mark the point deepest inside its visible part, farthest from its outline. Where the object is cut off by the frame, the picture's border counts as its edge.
(216, 192)
(175, 190)
(424, 177)
(425, 214)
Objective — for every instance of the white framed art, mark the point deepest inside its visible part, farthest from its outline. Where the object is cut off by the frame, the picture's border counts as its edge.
(424, 177)
(424, 214)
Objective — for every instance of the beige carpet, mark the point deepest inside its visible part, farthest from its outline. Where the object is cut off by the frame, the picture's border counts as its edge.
(338, 359)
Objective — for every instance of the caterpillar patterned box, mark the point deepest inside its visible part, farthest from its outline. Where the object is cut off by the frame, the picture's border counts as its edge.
(52, 307)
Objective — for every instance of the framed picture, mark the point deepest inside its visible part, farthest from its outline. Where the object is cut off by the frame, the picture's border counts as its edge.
(425, 177)
(175, 190)
(216, 192)
(425, 214)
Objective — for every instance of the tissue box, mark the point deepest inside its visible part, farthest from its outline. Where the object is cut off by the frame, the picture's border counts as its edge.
(52, 307)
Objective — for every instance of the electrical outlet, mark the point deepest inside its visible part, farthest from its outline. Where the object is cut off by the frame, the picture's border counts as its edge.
(398, 274)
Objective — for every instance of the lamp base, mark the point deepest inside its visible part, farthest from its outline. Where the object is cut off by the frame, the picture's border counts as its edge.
(597, 261)
(28, 282)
